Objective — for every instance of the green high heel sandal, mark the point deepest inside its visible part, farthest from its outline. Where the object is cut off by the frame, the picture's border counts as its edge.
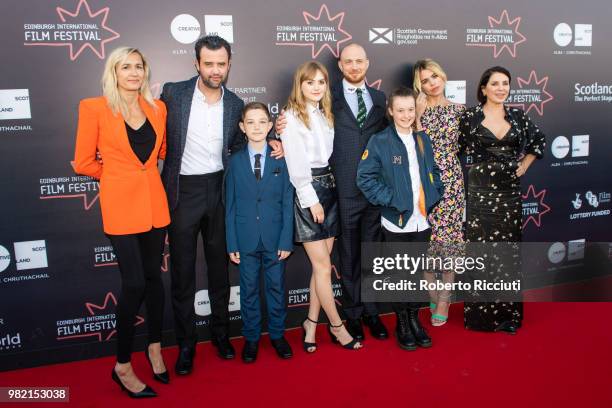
(438, 320)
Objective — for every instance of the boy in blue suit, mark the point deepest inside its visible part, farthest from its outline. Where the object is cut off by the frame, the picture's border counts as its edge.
(259, 230)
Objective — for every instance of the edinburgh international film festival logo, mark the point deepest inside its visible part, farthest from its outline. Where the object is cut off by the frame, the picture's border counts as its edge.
(530, 94)
(72, 187)
(502, 34)
(78, 29)
(99, 323)
(321, 31)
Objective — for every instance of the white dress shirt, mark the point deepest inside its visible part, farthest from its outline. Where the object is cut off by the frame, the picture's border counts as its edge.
(305, 149)
(204, 145)
(417, 221)
(262, 159)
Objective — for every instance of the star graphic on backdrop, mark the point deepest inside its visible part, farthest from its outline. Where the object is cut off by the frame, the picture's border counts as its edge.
(376, 84)
(316, 46)
(514, 25)
(166, 258)
(510, 24)
(84, 11)
(543, 208)
(530, 83)
(156, 89)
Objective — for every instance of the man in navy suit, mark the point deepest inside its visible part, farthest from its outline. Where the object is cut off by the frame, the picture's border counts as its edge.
(359, 112)
(201, 133)
(259, 226)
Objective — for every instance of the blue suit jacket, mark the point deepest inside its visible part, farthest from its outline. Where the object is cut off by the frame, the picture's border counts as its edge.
(177, 97)
(350, 140)
(257, 210)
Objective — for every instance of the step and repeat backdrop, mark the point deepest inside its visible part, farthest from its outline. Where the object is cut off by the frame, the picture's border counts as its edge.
(59, 280)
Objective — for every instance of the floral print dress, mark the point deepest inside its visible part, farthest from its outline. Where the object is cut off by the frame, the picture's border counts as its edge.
(442, 125)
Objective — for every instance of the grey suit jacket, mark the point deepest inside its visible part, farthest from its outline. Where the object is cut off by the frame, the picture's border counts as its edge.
(178, 96)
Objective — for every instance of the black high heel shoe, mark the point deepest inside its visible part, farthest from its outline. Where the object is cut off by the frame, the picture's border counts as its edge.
(308, 346)
(164, 377)
(146, 393)
(349, 346)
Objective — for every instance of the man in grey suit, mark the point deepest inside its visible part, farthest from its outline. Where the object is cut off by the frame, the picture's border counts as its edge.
(201, 132)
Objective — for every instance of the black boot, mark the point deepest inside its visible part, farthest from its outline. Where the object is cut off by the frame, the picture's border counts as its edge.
(422, 339)
(404, 335)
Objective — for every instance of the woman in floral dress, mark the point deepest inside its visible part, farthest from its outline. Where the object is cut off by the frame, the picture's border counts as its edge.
(440, 119)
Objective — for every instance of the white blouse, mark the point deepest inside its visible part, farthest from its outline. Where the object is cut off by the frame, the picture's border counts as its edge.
(305, 149)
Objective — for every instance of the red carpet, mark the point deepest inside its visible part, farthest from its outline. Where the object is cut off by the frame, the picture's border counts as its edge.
(562, 357)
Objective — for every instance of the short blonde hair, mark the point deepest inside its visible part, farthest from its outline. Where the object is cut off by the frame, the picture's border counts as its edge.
(109, 80)
(297, 103)
(429, 64)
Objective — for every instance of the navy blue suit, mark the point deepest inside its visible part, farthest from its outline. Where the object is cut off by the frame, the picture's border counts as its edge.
(359, 220)
(259, 223)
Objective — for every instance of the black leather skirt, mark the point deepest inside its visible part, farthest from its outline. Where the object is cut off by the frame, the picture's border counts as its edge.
(306, 229)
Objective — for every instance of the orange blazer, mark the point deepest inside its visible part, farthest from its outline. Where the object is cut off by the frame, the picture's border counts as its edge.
(132, 197)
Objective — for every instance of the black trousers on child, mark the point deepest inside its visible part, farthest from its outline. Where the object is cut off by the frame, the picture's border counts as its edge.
(417, 236)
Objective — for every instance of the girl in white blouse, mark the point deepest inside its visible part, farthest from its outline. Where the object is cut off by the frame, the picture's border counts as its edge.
(308, 141)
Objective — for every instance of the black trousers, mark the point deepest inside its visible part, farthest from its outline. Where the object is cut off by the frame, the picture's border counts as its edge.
(139, 257)
(418, 236)
(359, 222)
(199, 211)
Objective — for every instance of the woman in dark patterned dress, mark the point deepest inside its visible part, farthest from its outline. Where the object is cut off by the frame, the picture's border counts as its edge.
(503, 143)
(440, 119)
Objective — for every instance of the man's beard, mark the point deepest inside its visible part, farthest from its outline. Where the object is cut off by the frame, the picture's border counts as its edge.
(350, 79)
(213, 85)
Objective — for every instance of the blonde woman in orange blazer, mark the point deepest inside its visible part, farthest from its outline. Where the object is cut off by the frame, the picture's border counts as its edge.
(120, 138)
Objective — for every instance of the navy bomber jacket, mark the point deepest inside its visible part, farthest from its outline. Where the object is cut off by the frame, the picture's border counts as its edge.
(384, 178)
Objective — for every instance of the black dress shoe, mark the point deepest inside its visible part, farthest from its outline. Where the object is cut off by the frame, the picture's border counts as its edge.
(420, 335)
(225, 350)
(147, 392)
(283, 349)
(376, 326)
(249, 351)
(354, 328)
(184, 362)
(404, 335)
(161, 377)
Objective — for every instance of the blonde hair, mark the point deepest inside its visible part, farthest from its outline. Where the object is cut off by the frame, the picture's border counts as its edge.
(429, 64)
(297, 102)
(109, 80)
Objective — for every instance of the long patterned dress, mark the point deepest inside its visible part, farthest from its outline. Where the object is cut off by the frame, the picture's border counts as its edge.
(442, 125)
(494, 198)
